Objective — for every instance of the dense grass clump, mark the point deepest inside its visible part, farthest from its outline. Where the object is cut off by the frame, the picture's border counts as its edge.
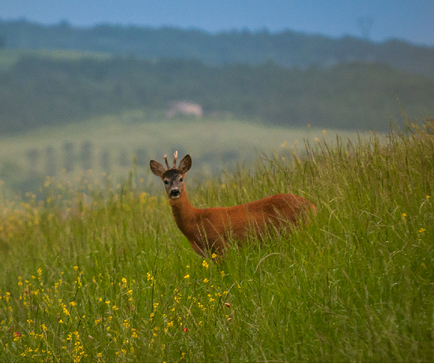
(106, 276)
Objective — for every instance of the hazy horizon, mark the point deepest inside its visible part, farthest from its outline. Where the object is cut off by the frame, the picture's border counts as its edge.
(377, 21)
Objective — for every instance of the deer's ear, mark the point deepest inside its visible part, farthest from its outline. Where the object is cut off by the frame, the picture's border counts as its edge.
(185, 164)
(157, 168)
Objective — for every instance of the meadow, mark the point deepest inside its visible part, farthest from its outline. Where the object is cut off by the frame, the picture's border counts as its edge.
(106, 276)
(9, 57)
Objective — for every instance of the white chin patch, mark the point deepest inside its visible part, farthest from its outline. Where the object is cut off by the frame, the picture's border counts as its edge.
(175, 197)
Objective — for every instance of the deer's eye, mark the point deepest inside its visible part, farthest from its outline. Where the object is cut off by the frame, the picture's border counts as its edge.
(181, 179)
(166, 182)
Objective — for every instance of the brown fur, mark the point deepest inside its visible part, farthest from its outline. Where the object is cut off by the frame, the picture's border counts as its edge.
(210, 229)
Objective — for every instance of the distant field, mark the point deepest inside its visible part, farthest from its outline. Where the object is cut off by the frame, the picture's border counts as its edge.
(109, 144)
(8, 57)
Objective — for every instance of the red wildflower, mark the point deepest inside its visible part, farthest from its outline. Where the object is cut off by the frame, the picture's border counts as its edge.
(185, 329)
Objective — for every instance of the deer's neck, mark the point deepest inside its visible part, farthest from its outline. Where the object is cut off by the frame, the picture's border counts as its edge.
(185, 214)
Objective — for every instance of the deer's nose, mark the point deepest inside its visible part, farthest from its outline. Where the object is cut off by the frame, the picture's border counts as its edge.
(175, 192)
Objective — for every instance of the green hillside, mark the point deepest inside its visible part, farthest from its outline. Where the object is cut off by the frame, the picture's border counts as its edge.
(105, 147)
(39, 92)
(287, 48)
(9, 57)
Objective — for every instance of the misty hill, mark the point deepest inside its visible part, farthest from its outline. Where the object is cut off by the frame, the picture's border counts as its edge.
(36, 92)
(288, 48)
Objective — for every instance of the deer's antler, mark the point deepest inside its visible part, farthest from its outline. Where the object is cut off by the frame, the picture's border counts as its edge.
(167, 162)
(174, 160)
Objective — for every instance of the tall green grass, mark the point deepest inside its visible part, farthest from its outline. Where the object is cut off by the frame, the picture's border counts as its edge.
(107, 276)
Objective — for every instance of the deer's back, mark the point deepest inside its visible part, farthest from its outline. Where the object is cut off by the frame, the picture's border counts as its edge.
(277, 210)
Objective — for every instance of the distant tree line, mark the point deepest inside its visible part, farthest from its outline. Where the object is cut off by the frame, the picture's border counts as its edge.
(38, 92)
(287, 48)
(70, 157)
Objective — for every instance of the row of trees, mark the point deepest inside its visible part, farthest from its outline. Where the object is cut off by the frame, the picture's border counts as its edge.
(39, 91)
(287, 48)
(49, 161)
(70, 157)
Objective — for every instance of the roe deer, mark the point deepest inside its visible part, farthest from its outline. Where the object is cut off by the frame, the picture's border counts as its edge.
(210, 229)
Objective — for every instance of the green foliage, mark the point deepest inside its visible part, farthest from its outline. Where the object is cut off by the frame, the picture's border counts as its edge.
(9, 57)
(287, 48)
(38, 92)
(107, 276)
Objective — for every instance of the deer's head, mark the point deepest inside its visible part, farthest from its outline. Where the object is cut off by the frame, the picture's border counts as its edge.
(173, 178)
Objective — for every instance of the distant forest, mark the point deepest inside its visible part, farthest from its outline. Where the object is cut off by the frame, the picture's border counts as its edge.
(288, 48)
(40, 91)
(287, 78)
